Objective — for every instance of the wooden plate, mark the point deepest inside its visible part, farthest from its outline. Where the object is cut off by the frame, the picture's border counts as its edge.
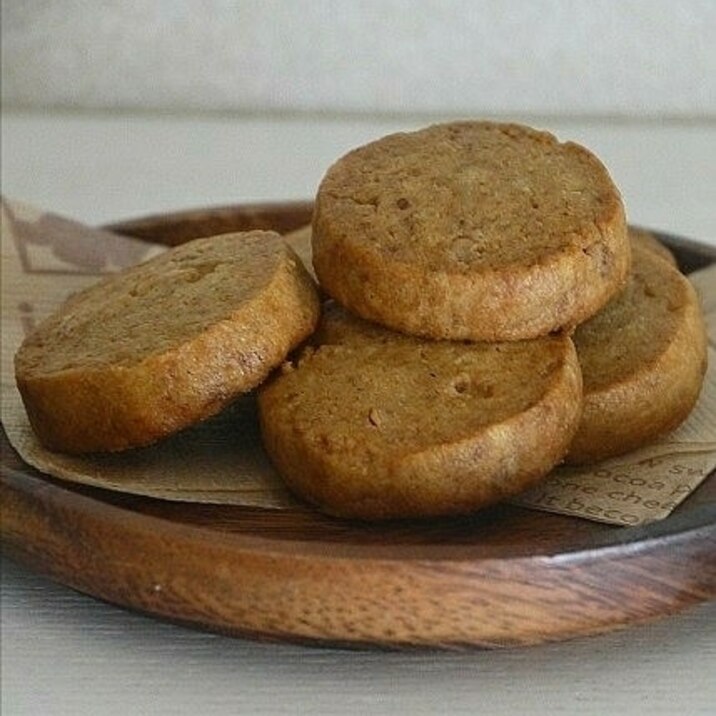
(507, 576)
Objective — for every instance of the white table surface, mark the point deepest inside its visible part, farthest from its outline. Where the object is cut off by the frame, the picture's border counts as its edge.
(65, 653)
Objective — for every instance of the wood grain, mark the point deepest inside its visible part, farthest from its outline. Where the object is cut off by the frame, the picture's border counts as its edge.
(506, 576)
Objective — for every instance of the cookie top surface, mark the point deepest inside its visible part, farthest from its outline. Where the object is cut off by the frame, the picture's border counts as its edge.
(468, 196)
(463, 218)
(440, 390)
(166, 343)
(374, 424)
(155, 306)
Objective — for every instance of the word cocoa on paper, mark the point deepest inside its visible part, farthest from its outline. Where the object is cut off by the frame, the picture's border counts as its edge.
(629, 495)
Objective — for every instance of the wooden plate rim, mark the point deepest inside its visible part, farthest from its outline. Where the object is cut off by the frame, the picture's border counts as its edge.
(695, 524)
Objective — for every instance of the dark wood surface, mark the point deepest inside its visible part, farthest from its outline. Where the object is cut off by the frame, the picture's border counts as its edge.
(507, 576)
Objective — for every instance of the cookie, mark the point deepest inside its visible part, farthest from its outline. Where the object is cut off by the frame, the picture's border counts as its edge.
(165, 344)
(471, 230)
(643, 359)
(372, 424)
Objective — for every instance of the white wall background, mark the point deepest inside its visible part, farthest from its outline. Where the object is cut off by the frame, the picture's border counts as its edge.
(550, 57)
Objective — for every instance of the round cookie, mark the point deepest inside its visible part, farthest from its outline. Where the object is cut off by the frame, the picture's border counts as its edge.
(643, 359)
(471, 230)
(373, 424)
(149, 351)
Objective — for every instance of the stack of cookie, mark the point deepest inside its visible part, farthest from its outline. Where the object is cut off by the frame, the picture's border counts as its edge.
(490, 317)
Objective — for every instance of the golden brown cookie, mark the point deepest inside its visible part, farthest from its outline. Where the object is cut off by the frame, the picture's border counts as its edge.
(164, 344)
(643, 359)
(373, 424)
(471, 230)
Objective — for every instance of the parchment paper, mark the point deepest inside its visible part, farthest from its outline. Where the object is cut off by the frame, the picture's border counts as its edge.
(46, 257)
